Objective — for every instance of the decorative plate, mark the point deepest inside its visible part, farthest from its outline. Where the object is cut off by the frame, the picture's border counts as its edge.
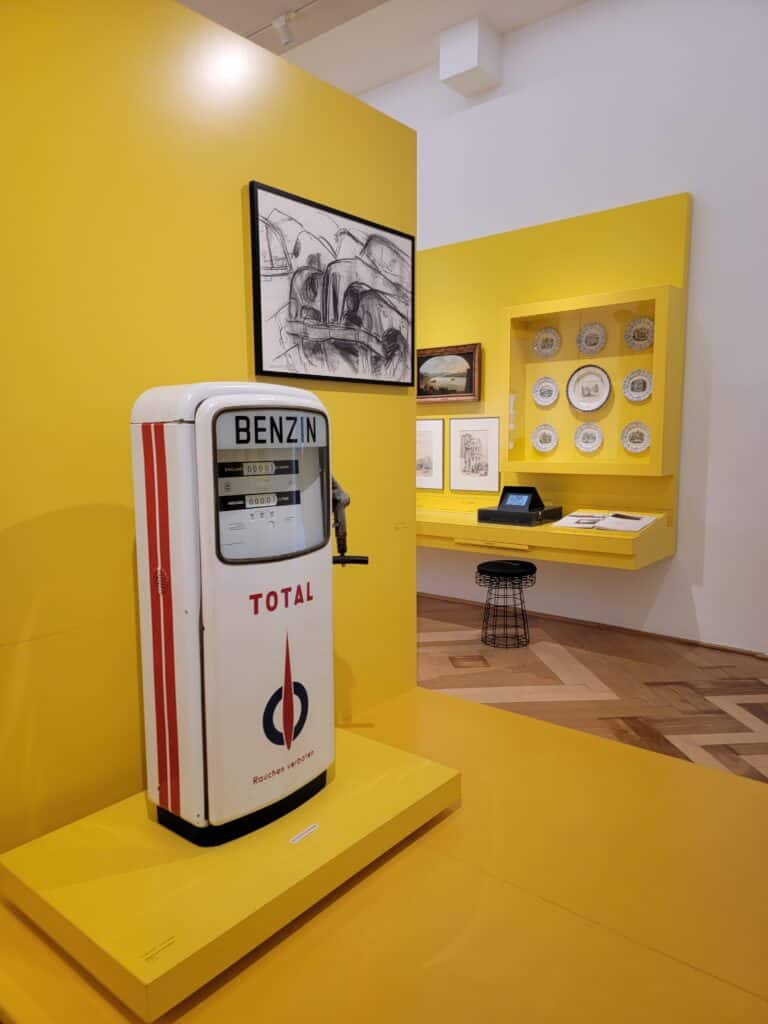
(636, 437)
(544, 438)
(639, 333)
(589, 388)
(591, 339)
(545, 391)
(588, 437)
(638, 385)
(547, 342)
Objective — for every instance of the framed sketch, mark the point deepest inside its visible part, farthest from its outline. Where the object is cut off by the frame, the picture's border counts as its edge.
(449, 374)
(475, 454)
(429, 455)
(332, 293)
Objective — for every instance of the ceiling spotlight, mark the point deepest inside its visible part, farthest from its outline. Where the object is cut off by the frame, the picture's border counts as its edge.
(282, 25)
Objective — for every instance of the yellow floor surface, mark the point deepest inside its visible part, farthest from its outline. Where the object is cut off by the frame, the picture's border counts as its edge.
(581, 881)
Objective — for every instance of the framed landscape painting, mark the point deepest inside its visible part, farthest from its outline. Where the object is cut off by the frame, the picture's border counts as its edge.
(332, 293)
(450, 374)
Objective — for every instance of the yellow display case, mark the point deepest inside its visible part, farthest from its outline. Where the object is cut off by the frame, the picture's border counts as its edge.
(610, 267)
(660, 412)
(610, 479)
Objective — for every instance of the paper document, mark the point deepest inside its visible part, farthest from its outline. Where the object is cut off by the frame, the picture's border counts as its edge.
(581, 520)
(624, 522)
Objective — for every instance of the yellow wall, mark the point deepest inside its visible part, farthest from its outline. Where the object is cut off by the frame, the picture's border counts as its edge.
(130, 130)
(464, 290)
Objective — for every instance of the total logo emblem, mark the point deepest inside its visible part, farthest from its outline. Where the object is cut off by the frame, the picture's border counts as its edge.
(284, 695)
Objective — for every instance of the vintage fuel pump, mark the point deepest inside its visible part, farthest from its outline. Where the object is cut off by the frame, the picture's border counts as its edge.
(234, 495)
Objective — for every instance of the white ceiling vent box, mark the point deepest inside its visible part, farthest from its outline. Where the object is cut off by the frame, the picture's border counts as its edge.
(470, 57)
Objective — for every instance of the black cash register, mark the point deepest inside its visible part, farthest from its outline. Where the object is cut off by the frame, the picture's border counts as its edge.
(520, 506)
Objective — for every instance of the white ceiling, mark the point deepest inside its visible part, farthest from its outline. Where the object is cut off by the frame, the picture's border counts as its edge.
(400, 36)
(253, 18)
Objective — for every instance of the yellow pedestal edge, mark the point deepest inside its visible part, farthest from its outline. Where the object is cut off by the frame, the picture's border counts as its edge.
(151, 1001)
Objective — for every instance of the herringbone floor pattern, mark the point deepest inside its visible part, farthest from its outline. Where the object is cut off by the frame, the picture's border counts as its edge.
(696, 703)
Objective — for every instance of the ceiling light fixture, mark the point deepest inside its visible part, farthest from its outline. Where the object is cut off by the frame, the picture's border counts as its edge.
(282, 24)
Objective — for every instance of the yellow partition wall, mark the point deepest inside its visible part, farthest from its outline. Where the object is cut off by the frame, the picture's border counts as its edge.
(130, 132)
(608, 266)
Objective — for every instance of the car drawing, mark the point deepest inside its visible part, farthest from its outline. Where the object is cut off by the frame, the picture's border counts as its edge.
(349, 298)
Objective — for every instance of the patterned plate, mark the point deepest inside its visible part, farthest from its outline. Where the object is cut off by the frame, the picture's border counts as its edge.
(636, 437)
(639, 333)
(545, 391)
(638, 385)
(588, 437)
(547, 342)
(591, 339)
(544, 438)
(589, 388)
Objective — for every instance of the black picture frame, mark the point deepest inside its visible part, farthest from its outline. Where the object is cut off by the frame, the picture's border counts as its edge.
(327, 302)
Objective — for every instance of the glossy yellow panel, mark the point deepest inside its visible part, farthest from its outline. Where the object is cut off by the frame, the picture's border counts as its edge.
(133, 128)
(581, 880)
(669, 854)
(423, 937)
(70, 726)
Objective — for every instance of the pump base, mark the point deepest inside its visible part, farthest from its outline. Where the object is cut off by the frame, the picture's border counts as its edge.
(130, 902)
(215, 835)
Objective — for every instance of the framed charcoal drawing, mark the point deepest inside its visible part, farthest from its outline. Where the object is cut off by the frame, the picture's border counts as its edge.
(449, 374)
(429, 455)
(332, 293)
(475, 454)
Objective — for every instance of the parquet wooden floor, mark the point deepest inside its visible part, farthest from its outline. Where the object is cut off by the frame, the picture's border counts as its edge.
(702, 705)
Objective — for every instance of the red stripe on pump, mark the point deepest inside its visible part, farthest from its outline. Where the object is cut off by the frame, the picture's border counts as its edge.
(154, 605)
(166, 600)
(288, 699)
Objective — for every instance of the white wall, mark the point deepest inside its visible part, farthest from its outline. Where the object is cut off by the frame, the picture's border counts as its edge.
(614, 102)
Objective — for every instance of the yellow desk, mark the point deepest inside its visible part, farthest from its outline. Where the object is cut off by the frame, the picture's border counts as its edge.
(460, 531)
(582, 882)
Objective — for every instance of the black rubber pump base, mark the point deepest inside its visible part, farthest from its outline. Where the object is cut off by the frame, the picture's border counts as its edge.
(215, 835)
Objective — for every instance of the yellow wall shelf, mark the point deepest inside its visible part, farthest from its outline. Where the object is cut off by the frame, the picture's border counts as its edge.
(460, 531)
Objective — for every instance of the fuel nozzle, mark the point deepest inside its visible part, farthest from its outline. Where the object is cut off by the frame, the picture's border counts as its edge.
(340, 499)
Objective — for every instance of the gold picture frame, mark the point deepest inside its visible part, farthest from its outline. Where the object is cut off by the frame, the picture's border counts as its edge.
(448, 374)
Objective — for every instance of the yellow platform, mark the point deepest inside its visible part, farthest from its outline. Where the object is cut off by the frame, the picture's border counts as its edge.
(154, 917)
(582, 881)
(460, 531)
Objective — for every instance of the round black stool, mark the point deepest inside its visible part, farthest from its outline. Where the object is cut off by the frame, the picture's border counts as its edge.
(505, 622)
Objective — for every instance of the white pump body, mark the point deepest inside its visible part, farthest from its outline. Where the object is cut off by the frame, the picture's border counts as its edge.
(232, 491)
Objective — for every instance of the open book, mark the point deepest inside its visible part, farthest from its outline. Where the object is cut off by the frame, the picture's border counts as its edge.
(625, 522)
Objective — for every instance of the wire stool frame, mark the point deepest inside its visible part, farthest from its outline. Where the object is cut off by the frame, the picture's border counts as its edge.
(505, 620)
